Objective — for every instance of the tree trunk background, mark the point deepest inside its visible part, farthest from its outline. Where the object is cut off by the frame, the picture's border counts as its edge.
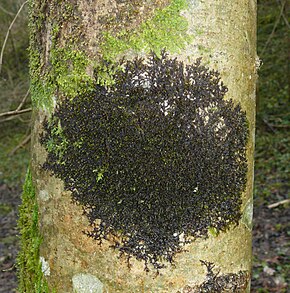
(223, 33)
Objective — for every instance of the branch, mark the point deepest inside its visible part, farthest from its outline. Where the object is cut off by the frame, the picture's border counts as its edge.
(7, 34)
(18, 109)
(23, 100)
(276, 204)
(15, 112)
(23, 143)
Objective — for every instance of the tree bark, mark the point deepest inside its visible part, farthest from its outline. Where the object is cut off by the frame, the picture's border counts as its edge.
(69, 39)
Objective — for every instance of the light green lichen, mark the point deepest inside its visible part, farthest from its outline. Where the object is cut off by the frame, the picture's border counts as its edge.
(30, 275)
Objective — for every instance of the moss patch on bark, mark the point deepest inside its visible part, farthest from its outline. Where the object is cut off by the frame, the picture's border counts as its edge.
(30, 274)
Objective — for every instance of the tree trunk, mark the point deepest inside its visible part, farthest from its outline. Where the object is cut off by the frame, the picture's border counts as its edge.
(76, 54)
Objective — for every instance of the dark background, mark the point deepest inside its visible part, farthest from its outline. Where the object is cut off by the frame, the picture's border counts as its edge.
(271, 263)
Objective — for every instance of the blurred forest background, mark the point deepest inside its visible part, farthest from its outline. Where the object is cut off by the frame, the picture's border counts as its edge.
(271, 263)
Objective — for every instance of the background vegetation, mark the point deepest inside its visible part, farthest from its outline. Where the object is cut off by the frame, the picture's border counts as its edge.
(271, 223)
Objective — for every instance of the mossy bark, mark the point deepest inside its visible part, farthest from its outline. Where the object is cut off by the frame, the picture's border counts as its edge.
(68, 38)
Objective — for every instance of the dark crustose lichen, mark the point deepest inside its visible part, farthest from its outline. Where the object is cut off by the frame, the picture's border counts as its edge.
(217, 283)
(157, 159)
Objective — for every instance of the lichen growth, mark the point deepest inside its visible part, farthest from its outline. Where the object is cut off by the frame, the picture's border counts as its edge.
(84, 283)
(216, 282)
(30, 275)
(247, 217)
(162, 158)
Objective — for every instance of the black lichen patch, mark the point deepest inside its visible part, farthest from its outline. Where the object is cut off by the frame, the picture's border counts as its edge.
(156, 159)
(217, 283)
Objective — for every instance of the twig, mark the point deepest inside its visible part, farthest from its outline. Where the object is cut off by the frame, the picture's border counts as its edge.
(274, 28)
(23, 100)
(13, 117)
(269, 125)
(276, 204)
(9, 269)
(15, 112)
(18, 109)
(279, 125)
(23, 143)
(6, 11)
(283, 15)
(7, 34)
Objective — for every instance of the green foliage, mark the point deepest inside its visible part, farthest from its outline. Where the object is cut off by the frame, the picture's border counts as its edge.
(5, 209)
(14, 85)
(272, 165)
(31, 278)
(13, 164)
(273, 50)
(15, 58)
(273, 117)
(272, 137)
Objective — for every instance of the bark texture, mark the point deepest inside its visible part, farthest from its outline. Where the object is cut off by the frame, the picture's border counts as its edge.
(67, 41)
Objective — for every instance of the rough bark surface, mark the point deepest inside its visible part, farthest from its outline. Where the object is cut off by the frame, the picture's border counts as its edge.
(223, 34)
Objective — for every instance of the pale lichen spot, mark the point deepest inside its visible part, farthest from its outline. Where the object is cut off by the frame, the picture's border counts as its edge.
(247, 218)
(86, 283)
(44, 195)
(45, 268)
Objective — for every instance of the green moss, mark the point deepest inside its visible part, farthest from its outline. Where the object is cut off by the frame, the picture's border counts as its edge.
(58, 146)
(67, 76)
(213, 231)
(64, 73)
(69, 71)
(166, 29)
(30, 276)
(36, 20)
